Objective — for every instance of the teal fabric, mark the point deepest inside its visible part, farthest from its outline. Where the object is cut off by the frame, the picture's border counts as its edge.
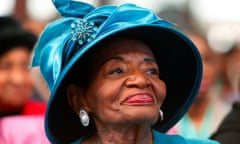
(56, 46)
(159, 138)
(188, 129)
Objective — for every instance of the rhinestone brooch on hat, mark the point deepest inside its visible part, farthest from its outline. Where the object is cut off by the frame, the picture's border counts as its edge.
(83, 31)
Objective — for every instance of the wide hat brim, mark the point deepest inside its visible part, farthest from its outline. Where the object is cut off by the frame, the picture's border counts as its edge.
(181, 69)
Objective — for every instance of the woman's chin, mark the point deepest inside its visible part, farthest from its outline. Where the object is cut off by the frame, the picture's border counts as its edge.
(143, 116)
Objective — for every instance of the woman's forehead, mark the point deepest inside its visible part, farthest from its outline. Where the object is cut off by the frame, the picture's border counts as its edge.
(123, 46)
(117, 47)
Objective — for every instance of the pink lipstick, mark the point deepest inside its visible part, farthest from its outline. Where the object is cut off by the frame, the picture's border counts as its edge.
(139, 99)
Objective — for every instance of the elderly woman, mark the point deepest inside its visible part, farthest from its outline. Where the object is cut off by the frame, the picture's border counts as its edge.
(117, 75)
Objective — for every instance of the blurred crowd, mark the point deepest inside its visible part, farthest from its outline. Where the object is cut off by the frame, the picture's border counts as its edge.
(218, 92)
(24, 95)
(22, 108)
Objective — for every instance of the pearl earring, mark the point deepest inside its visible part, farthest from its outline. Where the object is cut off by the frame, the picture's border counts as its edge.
(84, 118)
(161, 115)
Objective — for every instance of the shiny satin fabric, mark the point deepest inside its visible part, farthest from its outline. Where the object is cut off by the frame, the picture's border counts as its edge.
(56, 46)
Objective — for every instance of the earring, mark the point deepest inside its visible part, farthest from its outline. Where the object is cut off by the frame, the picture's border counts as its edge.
(161, 115)
(84, 118)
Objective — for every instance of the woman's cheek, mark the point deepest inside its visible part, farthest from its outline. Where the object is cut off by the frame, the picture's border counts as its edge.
(160, 90)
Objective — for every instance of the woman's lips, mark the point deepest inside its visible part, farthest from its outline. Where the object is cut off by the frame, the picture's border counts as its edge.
(139, 99)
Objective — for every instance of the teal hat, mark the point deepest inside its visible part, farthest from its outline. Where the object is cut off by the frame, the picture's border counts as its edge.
(65, 42)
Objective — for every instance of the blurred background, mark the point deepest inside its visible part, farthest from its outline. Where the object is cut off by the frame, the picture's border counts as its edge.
(218, 19)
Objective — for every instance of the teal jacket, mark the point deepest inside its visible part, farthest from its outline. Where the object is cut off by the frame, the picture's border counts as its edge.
(160, 138)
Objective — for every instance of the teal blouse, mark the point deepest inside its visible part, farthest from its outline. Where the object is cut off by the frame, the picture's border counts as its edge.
(188, 130)
(160, 138)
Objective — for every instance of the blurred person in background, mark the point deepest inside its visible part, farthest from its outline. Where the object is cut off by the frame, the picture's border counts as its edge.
(229, 130)
(16, 86)
(208, 110)
(230, 74)
(21, 116)
(39, 84)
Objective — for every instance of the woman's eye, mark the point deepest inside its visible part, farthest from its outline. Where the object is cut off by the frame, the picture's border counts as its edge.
(116, 71)
(152, 71)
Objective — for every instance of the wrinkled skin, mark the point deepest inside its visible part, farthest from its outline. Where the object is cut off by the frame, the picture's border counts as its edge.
(125, 92)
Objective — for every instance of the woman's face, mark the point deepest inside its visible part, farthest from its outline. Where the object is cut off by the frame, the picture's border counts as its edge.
(125, 87)
(210, 65)
(16, 85)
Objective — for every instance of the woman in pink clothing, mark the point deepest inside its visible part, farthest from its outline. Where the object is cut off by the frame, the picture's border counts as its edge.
(22, 130)
(21, 117)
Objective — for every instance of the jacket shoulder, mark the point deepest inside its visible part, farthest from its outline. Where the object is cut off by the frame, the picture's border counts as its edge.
(177, 139)
(197, 141)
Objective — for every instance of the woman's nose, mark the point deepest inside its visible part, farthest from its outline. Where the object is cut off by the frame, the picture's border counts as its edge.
(138, 79)
(18, 77)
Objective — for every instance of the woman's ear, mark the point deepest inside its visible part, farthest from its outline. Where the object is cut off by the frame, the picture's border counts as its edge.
(75, 97)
